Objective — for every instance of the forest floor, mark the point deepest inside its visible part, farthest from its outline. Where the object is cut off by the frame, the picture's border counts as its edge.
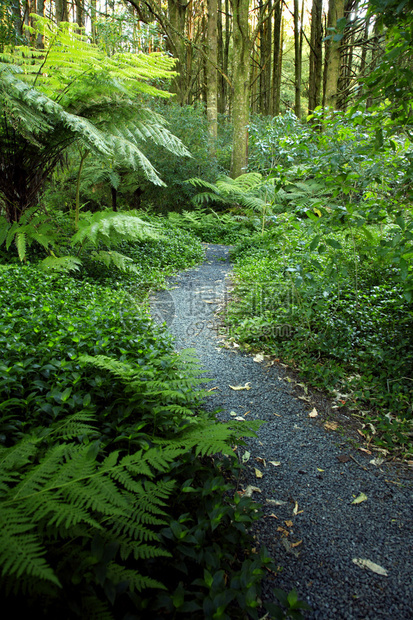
(338, 520)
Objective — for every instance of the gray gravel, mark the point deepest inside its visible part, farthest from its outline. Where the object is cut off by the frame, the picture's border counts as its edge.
(310, 527)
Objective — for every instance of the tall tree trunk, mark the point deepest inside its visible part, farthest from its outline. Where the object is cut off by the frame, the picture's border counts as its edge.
(265, 61)
(297, 60)
(80, 13)
(241, 87)
(17, 20)
(40, 11)
(212, 78)
(333, 57)
(277, 60)
(61, 11)
(316, 56)
(176, 46)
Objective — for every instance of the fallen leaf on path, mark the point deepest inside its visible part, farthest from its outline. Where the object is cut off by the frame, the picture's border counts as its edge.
(361, 498)
(319, 469)
(343, 458)
(313, 413)
(288, 547)
(240, 418)
(365, 450)
(283, 530)
(260, 460)
(250, 490)
(295, 511)
(258, 473)
(212, 389)
(273, 515)
(288, 523)
(278, 415)
(331, 426)
(379, 570)
(377, 461)
(259, 358)
(246, 456)
(275, 463)
(233, 413)
(247, 386)
(296, 543)
(275, 502)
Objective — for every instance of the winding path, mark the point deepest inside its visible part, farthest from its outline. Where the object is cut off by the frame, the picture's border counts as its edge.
(306, 477)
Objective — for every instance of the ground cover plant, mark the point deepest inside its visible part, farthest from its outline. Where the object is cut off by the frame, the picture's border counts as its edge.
(108, 472)
(328, 287)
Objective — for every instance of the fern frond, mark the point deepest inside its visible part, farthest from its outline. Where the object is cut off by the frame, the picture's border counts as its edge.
(120, 261)
(21, 550)
(109, 227)
(134, 580)
(61, 264)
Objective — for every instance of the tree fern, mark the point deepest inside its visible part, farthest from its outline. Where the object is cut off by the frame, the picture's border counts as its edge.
(71, 92)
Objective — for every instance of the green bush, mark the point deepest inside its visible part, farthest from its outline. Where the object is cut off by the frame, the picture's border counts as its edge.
(111, 504)
(338, 313)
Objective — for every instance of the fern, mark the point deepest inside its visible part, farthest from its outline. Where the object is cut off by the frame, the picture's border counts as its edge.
(70, 490)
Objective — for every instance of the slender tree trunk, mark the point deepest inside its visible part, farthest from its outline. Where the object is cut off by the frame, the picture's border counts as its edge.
(80, 13)
(316, 56)
(212, 81)
(277, 60)
(17, 20)
(241, 86)
(61, 11)
(333, 58)
(297, 60)
(176, 46)
(265, 61)
(40, 11)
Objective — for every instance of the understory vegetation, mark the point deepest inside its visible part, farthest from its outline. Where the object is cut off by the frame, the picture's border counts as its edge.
(117, 489)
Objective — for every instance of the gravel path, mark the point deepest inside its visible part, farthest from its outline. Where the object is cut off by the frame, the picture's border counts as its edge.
(310, 475)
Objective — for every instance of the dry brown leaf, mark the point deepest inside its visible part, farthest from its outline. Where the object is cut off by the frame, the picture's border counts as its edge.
(313, 413)
(283, 531)
(258, 473)
(343, 458)
(379, 570)
(365, 450)
(331, 426)
(273, 515)
(278, 415)
(258, 358)
(247, 386)
(250, 490)
(275, 463)
(275, 502)
(361, 498)
(296, 543)
(288, 523)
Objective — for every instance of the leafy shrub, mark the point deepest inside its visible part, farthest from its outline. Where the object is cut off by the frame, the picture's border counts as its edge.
(335, 311)
(111, 504)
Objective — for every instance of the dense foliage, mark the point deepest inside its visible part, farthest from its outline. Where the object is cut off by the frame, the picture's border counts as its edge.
(108, 479)
(329, 285)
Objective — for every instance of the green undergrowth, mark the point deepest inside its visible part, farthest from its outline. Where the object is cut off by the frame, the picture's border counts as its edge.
(153, 259)
(212, 227)
(337, 312)
(116, 487)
